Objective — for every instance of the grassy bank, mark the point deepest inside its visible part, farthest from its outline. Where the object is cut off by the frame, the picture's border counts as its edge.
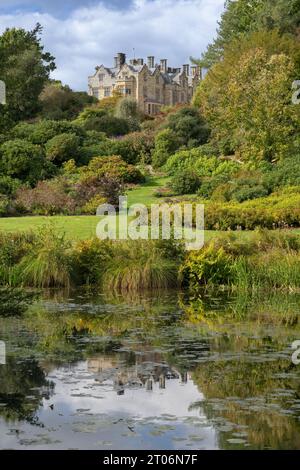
(264, 260)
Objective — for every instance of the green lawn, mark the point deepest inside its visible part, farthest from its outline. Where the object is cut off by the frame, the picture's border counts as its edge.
(145, 194)
(84, 227)
(74, 227)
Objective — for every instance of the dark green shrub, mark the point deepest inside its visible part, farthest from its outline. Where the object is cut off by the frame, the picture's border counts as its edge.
(132, 148)
(189, 127)
(4, 206)
(8, 185)
(284, 173)
(23, 160)
(94, 137)
(240, 187)
(138, 147)
(46, 130)
(23, 130)
(166, 143)
(185, 182)
(62, 148)
(110, 125)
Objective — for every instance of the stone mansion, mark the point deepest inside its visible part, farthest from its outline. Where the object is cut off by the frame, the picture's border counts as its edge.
(152, 85)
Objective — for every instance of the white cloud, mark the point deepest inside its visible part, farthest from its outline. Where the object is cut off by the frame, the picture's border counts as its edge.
(173, 29)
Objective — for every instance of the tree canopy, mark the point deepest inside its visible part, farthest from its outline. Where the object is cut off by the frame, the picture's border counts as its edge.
(25, 68)
(242, 17)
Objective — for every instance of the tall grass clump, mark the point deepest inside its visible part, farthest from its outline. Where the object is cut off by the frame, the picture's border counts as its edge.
(273, 269)
(269, 260)
(140, 265)
(47, 263)
(13, 247)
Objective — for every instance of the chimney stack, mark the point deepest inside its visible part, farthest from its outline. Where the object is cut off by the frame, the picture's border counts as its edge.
(151, 62)
(120, 60)
(199, 71)
(194, 70)
(163, 65)
(186, 69)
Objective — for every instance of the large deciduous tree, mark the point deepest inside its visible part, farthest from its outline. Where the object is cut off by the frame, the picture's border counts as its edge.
(247, 98)
(243, 17)
(25, 68)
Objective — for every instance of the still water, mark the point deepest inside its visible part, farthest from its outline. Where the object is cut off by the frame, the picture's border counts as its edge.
(158, 372)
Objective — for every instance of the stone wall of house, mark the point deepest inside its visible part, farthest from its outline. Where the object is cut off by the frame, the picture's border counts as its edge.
(101, 84)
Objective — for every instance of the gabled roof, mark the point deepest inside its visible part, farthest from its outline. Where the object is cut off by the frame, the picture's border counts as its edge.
(168, 78)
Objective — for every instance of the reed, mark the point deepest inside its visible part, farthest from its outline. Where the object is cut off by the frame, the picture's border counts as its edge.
(47, 262)
(139, 265)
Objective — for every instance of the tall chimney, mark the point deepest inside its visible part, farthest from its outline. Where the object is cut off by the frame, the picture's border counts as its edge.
(120, 60)
(163, 65)
(199, 70)
(194, 70)
(186, 69)
(151, 62)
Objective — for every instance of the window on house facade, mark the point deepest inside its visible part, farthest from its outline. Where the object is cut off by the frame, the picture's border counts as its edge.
(95, 92)
(121, 90)
(127, 91)
(101, 77)
(107, 91)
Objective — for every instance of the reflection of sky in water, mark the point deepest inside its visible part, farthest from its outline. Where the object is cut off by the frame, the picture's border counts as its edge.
(247, 393)
(88, 413)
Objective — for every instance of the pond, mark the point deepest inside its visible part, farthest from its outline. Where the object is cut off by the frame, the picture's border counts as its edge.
(160, 371)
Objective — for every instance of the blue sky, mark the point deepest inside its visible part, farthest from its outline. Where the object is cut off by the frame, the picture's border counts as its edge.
(84, 33)
(58, 8)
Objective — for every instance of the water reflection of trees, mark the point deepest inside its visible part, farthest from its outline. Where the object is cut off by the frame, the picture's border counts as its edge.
(249, 383)
(183, 335)
(258, 307)
(256, 397)
(23, 385)
(74, 331)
